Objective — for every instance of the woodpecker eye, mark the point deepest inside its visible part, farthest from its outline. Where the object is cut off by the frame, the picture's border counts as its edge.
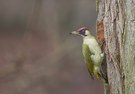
(82, 32)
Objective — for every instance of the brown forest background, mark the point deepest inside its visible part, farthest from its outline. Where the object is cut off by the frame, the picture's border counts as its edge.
(37, 54)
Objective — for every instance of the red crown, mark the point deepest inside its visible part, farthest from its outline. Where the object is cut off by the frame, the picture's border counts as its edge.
(82, 28)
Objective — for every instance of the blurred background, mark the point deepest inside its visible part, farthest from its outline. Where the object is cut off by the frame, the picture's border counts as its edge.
(37, 54)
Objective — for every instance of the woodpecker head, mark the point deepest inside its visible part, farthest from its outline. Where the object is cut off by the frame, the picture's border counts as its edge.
(82, 32)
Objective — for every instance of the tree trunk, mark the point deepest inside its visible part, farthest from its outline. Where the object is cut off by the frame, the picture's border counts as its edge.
(118, 18)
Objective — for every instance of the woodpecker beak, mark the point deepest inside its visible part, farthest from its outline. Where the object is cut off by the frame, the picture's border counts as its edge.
(74, 32)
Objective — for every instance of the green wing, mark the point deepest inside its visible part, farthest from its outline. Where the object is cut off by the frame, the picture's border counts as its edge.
(86, 55)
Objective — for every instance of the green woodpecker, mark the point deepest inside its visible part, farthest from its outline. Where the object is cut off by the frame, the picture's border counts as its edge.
(92, 53)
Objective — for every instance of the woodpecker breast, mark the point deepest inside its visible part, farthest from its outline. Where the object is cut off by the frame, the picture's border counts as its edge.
(94, 48)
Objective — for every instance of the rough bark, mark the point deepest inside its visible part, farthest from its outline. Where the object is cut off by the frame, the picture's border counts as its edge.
(118, 17)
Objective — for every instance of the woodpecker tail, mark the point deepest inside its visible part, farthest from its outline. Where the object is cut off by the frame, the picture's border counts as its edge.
(104, 76)
(91, 75)
(101, 75)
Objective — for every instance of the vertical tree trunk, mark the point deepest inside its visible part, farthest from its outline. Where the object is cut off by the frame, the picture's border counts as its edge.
(118, 18)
